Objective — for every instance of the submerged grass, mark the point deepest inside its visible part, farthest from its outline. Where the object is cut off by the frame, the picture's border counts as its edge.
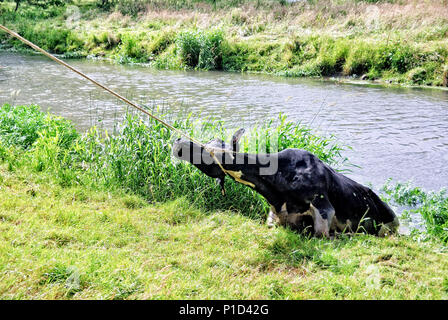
(76, 223)
(372, 40)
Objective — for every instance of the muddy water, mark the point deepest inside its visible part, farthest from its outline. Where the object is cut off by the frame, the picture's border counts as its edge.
(394, 133)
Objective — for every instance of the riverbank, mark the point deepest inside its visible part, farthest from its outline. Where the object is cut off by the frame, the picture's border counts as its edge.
(355, 39)
(98, 217)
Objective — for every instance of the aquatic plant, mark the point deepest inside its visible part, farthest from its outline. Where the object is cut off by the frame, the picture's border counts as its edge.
(138, 158)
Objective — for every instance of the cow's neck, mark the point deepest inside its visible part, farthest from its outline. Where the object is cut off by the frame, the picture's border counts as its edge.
(248, 172)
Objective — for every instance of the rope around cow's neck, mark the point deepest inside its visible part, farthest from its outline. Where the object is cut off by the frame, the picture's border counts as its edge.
(210, 150)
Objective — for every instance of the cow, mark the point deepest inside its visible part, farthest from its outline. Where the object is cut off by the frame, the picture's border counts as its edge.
(303, 192)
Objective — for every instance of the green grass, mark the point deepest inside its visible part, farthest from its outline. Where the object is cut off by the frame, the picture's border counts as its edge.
(72, 227)
(343, 39)
(431, 206)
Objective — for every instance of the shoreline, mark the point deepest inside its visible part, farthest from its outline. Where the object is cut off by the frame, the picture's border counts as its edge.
(138, 248)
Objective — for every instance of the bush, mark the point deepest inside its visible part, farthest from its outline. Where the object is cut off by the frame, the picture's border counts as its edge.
(161, 42)
(332, 56)
(130, 49)
(55, 40)
(402, 58)
(189, 47)
(201, 49)
(359, 60)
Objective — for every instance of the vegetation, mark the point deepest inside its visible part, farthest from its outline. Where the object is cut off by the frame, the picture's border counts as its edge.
(73, 225)
(347, 38)
(116, 217)
(432, 206)
(138, 158)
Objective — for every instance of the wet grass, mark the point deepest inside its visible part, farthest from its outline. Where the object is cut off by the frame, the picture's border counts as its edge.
(372, 40)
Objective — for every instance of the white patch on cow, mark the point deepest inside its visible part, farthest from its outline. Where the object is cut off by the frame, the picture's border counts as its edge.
(321, 226)
(293, 219)
(237, 176)
(283, 217)
(283, 208)
(277, 218)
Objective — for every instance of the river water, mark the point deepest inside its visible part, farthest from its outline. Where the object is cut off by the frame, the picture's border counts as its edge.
(398, 133)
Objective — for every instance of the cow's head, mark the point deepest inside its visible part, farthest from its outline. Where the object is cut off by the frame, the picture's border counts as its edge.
(201, 158)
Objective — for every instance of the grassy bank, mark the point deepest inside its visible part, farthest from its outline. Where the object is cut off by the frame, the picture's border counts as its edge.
(74, 226)
(395, 41)
(76, 243)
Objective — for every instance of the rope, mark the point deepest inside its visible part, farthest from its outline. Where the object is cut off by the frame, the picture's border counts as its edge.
(210, 150)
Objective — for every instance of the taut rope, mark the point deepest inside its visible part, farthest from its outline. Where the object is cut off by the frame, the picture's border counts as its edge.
(35, 47)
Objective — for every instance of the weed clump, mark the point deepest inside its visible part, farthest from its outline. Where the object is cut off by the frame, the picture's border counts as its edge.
(21, 126)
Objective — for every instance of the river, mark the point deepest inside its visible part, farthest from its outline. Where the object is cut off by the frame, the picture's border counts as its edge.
(398, 133)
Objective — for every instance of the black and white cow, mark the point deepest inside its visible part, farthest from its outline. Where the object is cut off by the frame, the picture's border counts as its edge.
(303, 191)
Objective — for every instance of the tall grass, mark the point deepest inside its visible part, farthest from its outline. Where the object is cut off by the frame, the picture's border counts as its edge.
(21, 126)
(200, 49)
(313, 39)
(139, 158)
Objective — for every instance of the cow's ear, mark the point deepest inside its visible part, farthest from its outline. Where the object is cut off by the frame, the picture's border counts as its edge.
(236, 139)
